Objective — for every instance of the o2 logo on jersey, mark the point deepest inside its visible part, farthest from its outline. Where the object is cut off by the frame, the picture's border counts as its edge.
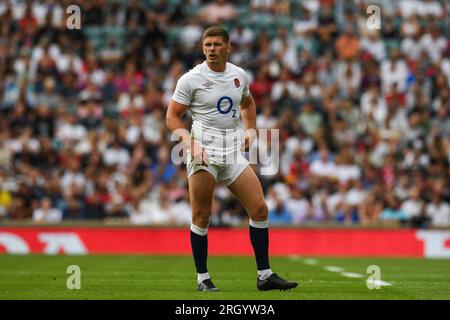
(227, 107)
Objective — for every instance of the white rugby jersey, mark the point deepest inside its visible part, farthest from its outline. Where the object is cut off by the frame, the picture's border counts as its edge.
(214, 100)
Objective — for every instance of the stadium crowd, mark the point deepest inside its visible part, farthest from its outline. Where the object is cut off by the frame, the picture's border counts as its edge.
(364, 115)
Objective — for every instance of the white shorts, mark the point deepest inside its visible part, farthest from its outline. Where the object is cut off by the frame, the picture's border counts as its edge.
(226, 173)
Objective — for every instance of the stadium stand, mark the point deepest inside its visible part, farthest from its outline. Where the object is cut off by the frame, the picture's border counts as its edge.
(363, 115)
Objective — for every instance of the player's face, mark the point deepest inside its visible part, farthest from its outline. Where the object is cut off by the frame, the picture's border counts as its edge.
(216, 49)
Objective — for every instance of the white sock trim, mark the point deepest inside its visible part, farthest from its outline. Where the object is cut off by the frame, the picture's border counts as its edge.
(264, 274)
(259, 224)
(202, 276)
(198, 230)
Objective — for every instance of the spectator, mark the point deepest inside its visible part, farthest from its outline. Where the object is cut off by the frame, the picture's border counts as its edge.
(68, 131)
(261, 87)
(391, 211)
(414, 208)
(217, 12)
(283, 46)
(284, 87)
(157, 211)
(394, 71)
(135, 12)
(412, 47)
(191, 34)
(308, 23)
(373, 106)
(374, 45)
(241, 35)
(434, 43)
(360, 115)
(327, 33)
(261, 9)
(116, 155)
(299, 206)
(266, 120)
(46, 213)
(49, 97)
(438, 211)
(310, 120)
(371, 208)
(131, 102)
(5, 198)
(347, 45)
(280, 215)
(348, 77)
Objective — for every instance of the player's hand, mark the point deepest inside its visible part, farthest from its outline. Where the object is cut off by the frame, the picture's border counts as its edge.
(199, 155)
(249, 137)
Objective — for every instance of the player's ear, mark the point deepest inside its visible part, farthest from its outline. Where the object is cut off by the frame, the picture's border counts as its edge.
(228, 47)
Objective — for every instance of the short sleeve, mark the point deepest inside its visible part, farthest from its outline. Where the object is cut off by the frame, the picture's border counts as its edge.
(183, 92)
(246, 91)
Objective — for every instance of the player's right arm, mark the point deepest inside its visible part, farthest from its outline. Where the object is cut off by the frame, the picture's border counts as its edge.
(174, 123)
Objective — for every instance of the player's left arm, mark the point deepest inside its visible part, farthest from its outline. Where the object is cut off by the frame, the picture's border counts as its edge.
(248, 116)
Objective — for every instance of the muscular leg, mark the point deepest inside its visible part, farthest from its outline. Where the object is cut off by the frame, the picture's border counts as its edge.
(248, 190)
(201, 188)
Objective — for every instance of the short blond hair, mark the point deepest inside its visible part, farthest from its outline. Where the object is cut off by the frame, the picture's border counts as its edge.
(216, 31)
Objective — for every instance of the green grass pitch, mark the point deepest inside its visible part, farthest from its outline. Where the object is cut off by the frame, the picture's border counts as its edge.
(173, 277)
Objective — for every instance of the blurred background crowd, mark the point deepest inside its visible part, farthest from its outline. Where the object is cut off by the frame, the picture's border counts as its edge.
(364, 115)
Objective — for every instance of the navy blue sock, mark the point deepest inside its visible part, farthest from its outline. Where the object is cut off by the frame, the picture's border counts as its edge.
(199, 246)
(260, 242)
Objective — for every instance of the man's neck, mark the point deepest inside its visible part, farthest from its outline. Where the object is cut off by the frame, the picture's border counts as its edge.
(217, 67)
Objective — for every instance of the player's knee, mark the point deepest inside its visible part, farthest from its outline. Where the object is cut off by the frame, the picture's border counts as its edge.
(200, 218)
(260, 211)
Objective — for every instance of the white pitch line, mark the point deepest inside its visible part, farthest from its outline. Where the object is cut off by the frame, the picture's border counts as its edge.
(310, 262)
(313, 262)
(378, 282)
(334, 269)
(351, 275)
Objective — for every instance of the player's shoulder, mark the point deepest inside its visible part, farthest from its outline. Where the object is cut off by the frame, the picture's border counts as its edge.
(192, 74)
(236, 68)
(197, 70)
